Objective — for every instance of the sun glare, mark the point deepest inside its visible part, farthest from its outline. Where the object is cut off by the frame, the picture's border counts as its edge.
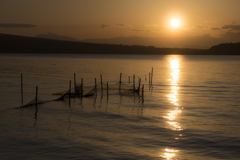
(175, 23)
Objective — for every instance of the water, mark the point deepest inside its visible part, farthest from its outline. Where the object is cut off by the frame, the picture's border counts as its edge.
(191, 112)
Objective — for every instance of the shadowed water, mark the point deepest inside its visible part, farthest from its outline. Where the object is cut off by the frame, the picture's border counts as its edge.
(190, 112)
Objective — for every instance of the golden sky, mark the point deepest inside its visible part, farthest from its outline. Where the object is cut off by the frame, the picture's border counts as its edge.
(200, 20)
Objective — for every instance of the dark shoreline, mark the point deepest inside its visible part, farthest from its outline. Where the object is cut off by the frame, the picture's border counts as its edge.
(21, 44)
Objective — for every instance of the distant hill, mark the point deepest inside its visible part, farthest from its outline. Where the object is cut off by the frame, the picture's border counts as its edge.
(199, 42)
(56, 37)
(226, 48)
(22, 44)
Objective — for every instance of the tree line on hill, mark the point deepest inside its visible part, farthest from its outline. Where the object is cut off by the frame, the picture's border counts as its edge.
(22, 44)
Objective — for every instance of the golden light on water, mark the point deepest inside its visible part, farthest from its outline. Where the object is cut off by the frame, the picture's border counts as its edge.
(173, 99)
(173, 96)
(169, 153)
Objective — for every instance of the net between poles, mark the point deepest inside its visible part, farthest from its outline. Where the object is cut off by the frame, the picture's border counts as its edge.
(80, 90)
(89, 91)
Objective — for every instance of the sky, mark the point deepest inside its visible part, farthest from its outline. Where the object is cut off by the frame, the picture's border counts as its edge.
(202, 23)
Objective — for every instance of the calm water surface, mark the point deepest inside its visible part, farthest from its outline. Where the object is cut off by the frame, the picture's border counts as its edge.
(192, 110)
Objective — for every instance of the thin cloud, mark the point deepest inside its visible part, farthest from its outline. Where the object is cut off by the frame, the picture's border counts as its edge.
(16, 25)
(122, 25)
(104, 26)
(201, 26)
(215, 21)
(232, 27)
(137, 30)
(215, 29)
(151, 25)
(233, 22)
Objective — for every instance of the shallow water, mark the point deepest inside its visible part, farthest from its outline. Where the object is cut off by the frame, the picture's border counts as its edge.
(192, 110)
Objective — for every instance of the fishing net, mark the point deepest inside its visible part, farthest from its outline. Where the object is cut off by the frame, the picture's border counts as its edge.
(84, 91)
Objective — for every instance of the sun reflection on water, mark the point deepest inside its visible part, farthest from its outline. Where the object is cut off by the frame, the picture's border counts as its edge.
(173, 98)
(169, 153)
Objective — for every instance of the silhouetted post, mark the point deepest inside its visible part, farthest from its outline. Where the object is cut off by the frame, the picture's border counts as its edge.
(142, 93)
(101, 82)
(120, 82)
(149, 80)
(36, 95)
(151, 76)
(22, 88)
(139, 85)
(129, 79)
(96, 87)
(107, 91)
(75, 83)
(69, 91)
(134, 82)
(81, 88)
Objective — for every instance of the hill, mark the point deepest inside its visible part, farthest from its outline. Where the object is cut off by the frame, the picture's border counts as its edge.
(226, 48)
(56, 37)
(22, 44)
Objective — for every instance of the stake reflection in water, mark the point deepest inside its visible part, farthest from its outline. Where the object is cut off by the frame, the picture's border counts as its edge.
(173, 98)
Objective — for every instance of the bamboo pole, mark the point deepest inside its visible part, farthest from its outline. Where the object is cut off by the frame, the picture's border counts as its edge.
(139, 85)
(151, 76)
(69, 91)
(75, 83)
(81, 88)
(134, 82)
(22, 88)
(149, 80)
(36, 95)
(120, 82)
(101, 82)
(96, 87)
(107, 91)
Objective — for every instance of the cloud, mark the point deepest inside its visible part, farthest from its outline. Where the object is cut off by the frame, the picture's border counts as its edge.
(137, 30)
(204, 41)
(233, 22)
(122, 25)
(16, 25)
(151, 25)
(215, 29)
(215, 21)
(104, 26)
(232, 27)
(201, 26)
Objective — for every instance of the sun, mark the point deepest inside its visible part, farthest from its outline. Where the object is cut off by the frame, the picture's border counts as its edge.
(175, 23)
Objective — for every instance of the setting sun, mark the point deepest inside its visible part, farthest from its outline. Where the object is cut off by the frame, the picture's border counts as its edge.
(175, 23)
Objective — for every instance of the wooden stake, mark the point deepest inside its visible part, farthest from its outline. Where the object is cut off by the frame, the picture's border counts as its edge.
(36, 95)
(139, 85)
(75, 83)
(151, 76)
(69, 91)
(96, 87)
(107, 89)
(142, 93)
(81, 88)
(101, 82)
(134, 82)
(22, 88)
(149, 80)
(120, 82)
